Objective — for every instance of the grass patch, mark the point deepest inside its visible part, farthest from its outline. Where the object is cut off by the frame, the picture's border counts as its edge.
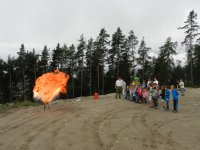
(18, 104)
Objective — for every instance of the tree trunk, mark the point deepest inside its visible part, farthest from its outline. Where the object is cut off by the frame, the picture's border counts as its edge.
(72, 86)
(10, 86)
(82, 80)
(191, 68)
(90, 78)
(98, 78)
(143, 72)
(102, 79)
(35, 72)
(130, 72)
(117, 70)
(23, 83)
(191, 64)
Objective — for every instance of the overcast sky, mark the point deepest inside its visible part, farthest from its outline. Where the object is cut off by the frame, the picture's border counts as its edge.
(46, 22)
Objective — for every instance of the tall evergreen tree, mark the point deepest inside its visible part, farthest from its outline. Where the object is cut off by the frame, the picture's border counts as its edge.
(196, 62)
(57, 58)
(13, 70)
(116, 51)
(10, 70)
(80, 60)
(178, 72)
(165, 60)
(115, 58)
(71, 62)
(30, 72)
(3, 82)
(131, 43)
(89, 54)
(101, 50)
(21, 70)
(44, 61)
(65, 58)
(143, 57)
(152, 68)
(191, 32)
(125, 64)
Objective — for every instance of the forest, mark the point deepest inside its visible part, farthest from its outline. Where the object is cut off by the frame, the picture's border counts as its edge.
(94, 64)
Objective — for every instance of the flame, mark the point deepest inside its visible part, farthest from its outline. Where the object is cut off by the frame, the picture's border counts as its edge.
(49, 85)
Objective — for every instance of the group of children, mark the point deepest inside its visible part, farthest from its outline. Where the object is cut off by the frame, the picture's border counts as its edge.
(151, 94)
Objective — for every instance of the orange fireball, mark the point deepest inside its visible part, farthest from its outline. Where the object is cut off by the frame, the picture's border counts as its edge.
(49, 85)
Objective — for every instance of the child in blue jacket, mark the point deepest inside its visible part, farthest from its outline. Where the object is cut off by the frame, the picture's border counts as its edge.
(175, 98)
(167, 97)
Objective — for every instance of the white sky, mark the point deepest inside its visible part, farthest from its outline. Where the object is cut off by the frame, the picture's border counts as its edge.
(46, 22)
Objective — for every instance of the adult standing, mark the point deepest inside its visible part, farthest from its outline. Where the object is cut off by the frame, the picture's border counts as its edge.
(118, 86)
(149, 82)
(155, 82)
(124, 88)
(182, 87)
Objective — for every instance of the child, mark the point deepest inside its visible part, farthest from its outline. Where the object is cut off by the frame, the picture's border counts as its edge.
(127, 93)
(139, 94)
(144, 84)
(155, 97)
(144, 95)
(167, 97)
(163, 96)
(150, 92)
(134, 94)
(175, 98)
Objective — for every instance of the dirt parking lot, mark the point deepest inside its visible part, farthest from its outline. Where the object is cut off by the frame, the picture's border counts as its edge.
(106, 124)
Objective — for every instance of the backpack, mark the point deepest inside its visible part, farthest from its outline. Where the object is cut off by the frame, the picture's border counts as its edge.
(139, 92)
(155, 94)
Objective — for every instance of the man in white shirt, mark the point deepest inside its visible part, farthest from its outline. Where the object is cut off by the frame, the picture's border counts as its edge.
(155, 82)
(182, 87)
(118, 86)
(124, 89)
(148, 83)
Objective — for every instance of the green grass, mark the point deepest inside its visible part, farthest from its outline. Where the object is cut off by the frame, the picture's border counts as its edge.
(194, 86)
(18, 104)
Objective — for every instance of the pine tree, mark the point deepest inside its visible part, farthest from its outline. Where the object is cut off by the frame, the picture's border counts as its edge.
(10, 65)
(178, 72)
(143, 57)
(125, 64)
(196, 62)
(80, 60)
(191, 27)
(151, 68)
(21, 69)
(13, 78)
(3, 82)
(71, 62)
(131, 43)
(44, 61)
(101, 50)
(165, 60)
(65, 58)
(21, 55)
(57, 58)
(88, 70)
(116, 51)
(31, 72)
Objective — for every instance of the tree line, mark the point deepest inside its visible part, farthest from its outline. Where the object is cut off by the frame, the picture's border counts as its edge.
(94, 64)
